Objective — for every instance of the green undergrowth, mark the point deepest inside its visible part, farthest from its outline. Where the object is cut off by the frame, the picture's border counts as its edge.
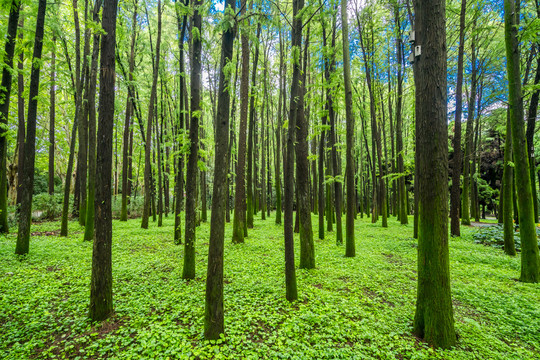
(494, 236)
(348, 308)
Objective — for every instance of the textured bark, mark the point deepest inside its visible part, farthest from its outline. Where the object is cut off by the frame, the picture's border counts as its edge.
(307, 248)
(90, 210)
(5, 91)
(530, 261)
(239, 219)
(21, 130)
(251, 173)
(148, 182)
(101, 306)
(433, 321)
(281, 104)
(469, 140)
(179, 180)
(213, 315)
(127, 122)
(192, 168)
(350, 250)
(508, 192)
(27, 183)
(531, 125)
(296, 43)
(52, 118)
(455, 192)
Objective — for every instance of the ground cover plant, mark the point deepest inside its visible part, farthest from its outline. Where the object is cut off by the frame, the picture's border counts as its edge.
(348, 308)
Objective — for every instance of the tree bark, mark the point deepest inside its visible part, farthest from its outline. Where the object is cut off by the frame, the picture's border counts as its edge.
(192, 168)
(25, 216)
(433, 321)
(239, 219)
(530, 261)
(5, 91)
(214, 314)
(101, 305)
(508, 192)
(350, 249)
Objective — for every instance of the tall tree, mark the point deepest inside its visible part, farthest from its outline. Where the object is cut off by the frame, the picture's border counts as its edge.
(213, 315)
(25, 216)
(52, 118)
(507, 192)
(307, 247)
(456, 143)
(5, 91)
(350, 250)
(239, 219)
(296, 43)
(127, 124)
(434, 320)
(91, 98)
(530, 261)
(148, 182)
(192, 168)
(101, 306)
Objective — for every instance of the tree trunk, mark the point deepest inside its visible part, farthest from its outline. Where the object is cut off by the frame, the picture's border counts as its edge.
(239, 220)
(21, 134)
(5, 91)
(530, 261)
(101, 305)
(307, 249)
(192, 168)
(25, 216)
(433, 321)
(148, 179)
(213, 315)
(52, 116)
(350, 250)
(296, 43)
(508, 192)
(90, 210)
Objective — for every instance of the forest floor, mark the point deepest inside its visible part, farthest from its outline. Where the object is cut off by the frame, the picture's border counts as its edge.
(349, 308)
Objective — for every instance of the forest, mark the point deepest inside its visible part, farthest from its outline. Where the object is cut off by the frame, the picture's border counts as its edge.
(269, 179)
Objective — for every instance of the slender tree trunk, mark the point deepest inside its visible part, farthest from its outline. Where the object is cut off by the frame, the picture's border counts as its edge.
(350, 250)
(192, 168)
(5, 91)
(101, 305)
(508, 192)
(21, 130)
(469, 139)
(434, 320)
(90, 211)
(530, 261)
(307, 248)
(148, 182)
(25, 216)
(531, 125)
(127, 124)
(239, 220)
(281, 104)
(214, 314)
(296, 43)
(52, 116)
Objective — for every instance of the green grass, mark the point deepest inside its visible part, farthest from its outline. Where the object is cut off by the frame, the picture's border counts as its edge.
(348, 308)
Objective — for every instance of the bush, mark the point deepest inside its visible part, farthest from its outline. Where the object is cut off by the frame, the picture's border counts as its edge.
(494, 236)
(47, 206)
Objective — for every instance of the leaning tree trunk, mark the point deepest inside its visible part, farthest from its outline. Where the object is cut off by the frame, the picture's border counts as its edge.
(25, 216)
(434, 320)
(5, 91)
(530, 261)
(101, 305)
(213, 315)
(192, 168)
